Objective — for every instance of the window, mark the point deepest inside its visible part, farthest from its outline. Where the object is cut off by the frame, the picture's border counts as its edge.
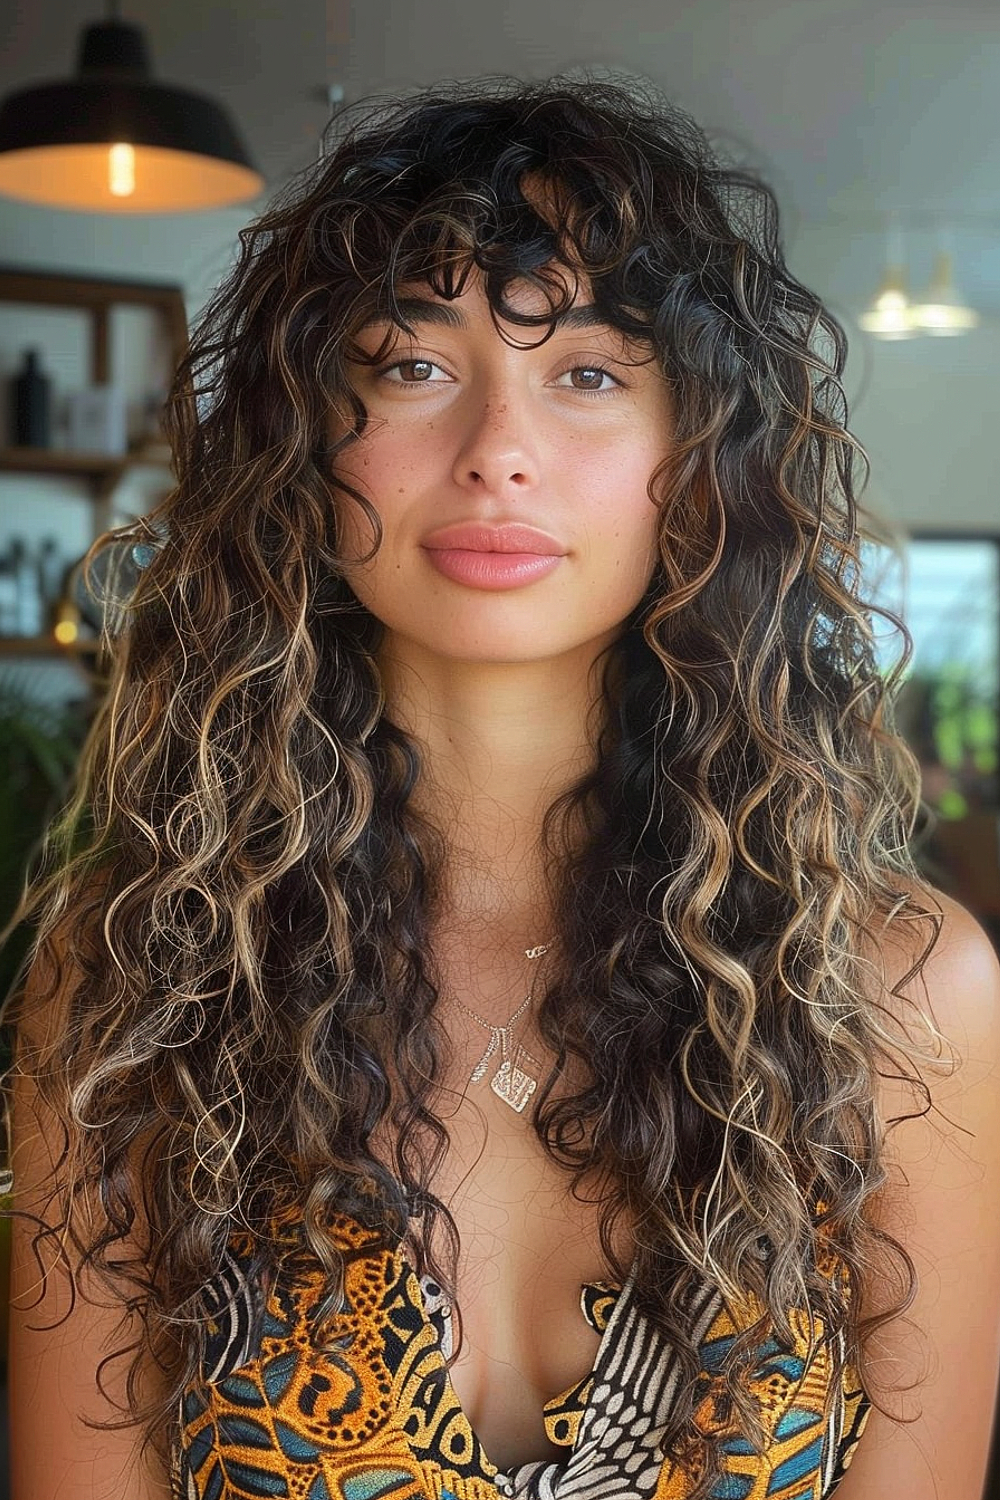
(947, 590)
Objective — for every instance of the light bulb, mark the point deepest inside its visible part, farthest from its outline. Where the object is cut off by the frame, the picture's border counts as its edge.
(888, 316)
(66, 624)
(942, 310)
(66, 632)
(121, 170)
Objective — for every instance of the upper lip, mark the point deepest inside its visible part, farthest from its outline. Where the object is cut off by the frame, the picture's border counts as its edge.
(476, 536)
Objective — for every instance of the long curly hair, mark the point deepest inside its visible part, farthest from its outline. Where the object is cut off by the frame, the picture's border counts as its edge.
(246, 890)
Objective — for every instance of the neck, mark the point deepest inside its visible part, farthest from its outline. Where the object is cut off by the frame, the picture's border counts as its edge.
(498, 743)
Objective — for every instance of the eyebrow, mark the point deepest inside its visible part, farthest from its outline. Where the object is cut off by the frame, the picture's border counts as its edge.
(423, 310)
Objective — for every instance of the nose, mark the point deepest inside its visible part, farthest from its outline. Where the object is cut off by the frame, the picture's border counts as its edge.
(498, 453)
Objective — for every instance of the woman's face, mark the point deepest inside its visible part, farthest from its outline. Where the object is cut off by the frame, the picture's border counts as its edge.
(465, 430)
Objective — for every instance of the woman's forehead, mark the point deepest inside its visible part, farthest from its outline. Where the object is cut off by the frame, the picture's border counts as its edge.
(416, 304)
(565, 289)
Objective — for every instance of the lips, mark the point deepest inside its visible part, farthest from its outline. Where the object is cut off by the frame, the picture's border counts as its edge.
(478, 537)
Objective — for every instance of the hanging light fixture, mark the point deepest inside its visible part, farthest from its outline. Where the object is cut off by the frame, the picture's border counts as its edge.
(111, 140)
(888, 314)
(943, 311)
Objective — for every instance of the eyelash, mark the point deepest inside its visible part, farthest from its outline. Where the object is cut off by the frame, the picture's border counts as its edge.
(416, 360)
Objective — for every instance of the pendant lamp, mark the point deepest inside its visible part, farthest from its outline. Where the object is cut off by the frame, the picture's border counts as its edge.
(888, 314)
(943, 311)
(111, 140)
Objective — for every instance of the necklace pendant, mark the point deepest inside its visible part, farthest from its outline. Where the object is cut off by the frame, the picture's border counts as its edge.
(512, 1085)
(480, 1067)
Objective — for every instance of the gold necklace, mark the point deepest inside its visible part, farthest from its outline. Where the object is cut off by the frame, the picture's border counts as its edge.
(510, 1083)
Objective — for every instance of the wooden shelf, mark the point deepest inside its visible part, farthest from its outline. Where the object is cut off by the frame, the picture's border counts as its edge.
(14, 646)
(104, 466)
(52, 461)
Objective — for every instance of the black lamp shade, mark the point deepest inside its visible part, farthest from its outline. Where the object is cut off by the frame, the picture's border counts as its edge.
(55, 138)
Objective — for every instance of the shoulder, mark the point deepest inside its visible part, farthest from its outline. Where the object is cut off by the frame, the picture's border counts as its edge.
(965, 970)
(963, 986)
(940, 1005)
(961, 947)
(963, 954)
(940, 1203)
(938, 983)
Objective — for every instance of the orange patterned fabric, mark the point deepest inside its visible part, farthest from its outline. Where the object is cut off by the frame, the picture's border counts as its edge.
(376, 1416)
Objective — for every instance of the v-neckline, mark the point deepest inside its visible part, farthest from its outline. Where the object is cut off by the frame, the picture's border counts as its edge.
(622, 1295)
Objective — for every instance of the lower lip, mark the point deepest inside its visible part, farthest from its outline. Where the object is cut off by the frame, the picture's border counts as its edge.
(492, 570)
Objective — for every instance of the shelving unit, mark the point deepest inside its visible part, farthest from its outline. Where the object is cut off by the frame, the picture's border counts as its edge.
(100, 474)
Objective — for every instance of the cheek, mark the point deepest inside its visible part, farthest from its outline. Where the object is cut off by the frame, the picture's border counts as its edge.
(622, 519)
(388, 463)
(377, 475)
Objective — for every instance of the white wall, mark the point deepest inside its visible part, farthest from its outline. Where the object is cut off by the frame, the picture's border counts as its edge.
(925, 408)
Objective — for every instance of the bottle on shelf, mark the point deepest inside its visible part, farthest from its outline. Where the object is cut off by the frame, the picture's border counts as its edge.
(29, 602)
(97, 420)
(50, 572)
(32, 405)
(8, 594)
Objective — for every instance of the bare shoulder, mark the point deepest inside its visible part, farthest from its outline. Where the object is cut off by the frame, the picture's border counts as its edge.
(962, 954)
(941, 1203)
(963, 988)
(965, 970)
(945, 1001)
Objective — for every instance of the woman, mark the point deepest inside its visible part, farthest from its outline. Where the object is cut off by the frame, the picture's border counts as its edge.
(481, 966)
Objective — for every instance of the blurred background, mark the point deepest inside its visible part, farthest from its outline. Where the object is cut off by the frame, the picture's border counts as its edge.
(874, 120)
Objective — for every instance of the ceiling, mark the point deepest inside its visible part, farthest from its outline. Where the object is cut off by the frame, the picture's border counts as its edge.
(850, 106)
(850, 101)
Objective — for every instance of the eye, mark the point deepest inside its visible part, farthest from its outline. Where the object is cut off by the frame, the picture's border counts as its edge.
(593, 375)
(412, 365)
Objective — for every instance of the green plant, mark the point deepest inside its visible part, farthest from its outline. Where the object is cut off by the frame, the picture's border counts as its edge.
(40, 743)
(951, 720)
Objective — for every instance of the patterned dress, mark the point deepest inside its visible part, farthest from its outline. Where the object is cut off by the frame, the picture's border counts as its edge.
(378, 1419)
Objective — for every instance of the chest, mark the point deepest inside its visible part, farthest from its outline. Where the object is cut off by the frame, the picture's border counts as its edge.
(527, 1244)
(527, 1248)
